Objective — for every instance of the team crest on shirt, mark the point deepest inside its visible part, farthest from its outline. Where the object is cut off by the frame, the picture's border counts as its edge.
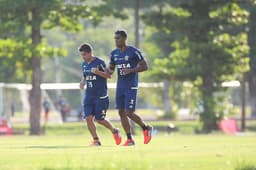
(126, 58)
(115, 58)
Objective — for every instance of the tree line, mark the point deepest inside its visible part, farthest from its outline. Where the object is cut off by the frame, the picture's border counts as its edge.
(204, 42)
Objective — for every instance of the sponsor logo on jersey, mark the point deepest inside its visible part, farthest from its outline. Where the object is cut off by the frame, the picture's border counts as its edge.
(124, 66)
(93, 77)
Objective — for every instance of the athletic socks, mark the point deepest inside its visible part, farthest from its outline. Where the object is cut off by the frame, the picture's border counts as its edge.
(129, 136)
(144, 127)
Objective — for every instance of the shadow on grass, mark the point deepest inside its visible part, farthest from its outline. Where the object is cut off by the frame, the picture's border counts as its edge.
(53, 147)
(245, 167)
(65, 147)
(66, 168)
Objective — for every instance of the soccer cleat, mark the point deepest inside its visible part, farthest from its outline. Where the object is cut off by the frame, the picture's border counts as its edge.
(147, 134)
(117, 136)
(95, 143)
(129, 142)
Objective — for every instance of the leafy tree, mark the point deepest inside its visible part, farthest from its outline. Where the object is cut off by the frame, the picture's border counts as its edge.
(12, 63)
(206, 50)
(138, 7)
(33, 16)
(250, 6)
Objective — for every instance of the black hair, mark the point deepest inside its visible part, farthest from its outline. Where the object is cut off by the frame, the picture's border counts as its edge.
(85, 48)
(122, 33)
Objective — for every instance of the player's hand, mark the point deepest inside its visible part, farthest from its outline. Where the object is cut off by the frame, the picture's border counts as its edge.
(126, 71)
(109, 71)
(95, 70)
(81, 85)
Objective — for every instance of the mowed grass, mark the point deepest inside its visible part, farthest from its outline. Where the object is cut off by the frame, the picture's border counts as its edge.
(64, 149)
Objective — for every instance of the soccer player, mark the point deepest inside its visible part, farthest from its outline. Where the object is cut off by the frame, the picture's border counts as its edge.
(129, 62)
(96, 99)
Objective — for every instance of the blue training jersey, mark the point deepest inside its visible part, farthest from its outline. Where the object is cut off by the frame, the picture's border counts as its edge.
(96, 86)
(126, 59)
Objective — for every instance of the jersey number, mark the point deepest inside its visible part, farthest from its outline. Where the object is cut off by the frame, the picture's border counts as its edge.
(90, 84)
(121, 73)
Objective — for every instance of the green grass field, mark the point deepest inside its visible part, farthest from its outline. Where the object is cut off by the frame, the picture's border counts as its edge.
(64, 147)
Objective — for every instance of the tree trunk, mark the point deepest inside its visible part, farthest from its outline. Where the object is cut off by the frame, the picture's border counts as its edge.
(208, 116)
(243, 96)
(252, 55)
(35, 93)
(252, 89)
(137, 23)
(137, 44)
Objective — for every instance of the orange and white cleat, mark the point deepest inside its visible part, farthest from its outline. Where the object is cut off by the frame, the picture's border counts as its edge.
(147, 134)
(117, 136)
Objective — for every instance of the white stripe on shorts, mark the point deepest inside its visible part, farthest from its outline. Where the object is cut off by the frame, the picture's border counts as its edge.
(103, 97)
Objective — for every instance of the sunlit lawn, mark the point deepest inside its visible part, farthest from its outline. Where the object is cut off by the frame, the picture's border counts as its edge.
(65, 147)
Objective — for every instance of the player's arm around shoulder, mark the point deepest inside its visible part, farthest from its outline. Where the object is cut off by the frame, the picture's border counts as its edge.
(110, 69)
(105, 73)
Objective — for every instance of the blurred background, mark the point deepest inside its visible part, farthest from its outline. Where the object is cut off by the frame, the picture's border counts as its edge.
(201, 56)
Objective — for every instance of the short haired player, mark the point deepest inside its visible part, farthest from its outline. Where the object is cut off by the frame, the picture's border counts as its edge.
(96, 99)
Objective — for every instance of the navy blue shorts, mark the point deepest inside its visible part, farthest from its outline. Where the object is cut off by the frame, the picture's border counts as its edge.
(97, 108)
(126, 99)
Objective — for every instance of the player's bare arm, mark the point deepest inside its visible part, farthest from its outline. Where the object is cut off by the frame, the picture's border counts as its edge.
(142, 66)
(110, 70)
(82, 83)
(104, 74)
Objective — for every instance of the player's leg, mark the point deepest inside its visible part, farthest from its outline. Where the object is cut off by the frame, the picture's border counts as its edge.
(124, 121)
(115, 131)
(121, 112)
(147, 129)
(130, 106)
(91, 126)
(89, 118)
(127, 128)
(101, 107)
(120, 101)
